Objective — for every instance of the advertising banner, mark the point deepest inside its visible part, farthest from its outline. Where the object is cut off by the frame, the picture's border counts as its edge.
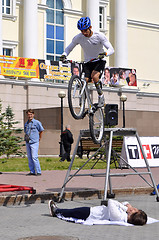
(119, 77)
(132, 154)
(58, 72)
(19, 67)
(50, 71)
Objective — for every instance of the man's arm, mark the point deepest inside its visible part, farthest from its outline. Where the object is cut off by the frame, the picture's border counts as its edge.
(40, 135)
(107, 45)
(116, 210)
(71, 46)
(71, 137)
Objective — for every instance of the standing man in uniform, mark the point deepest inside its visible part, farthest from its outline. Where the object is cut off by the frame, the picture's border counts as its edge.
(33, 132)
(67, 140)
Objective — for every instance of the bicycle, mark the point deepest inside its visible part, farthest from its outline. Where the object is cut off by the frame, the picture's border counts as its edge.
(78, 92)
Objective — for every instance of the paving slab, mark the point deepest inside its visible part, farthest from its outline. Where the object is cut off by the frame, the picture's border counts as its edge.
(49, 238)
(34, 220)
(49, 184)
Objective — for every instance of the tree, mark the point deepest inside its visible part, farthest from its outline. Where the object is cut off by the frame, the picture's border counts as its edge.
(10, 141)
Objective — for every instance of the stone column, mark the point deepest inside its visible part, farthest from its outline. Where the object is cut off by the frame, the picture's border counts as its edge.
(93, 13)
(30, 28)
(121, 38)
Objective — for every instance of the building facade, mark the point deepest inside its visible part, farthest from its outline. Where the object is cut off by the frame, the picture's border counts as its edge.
(41, 29)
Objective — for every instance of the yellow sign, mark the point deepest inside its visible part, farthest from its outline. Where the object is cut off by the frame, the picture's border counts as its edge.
(55, 72)
(19, 67)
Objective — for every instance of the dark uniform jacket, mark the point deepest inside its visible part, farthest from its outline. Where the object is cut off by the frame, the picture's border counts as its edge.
(67, 138)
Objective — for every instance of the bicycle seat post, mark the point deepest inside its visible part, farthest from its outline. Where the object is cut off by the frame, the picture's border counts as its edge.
(83, 76)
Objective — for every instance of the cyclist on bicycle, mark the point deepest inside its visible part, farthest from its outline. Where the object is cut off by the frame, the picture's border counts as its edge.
(92, 44)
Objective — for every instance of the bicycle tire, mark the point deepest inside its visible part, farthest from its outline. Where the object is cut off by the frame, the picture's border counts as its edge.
(76, 102)
(96, 125)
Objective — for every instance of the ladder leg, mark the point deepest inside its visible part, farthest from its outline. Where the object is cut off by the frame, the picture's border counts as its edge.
(148, 167)
(111, 194)
(104, 202)
(69, 169)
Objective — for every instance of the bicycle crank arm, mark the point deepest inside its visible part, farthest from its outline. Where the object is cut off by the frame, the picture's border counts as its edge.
(95, 107)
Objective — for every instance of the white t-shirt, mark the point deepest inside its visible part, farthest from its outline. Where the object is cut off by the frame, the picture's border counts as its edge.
(115, 211)
(91, 46)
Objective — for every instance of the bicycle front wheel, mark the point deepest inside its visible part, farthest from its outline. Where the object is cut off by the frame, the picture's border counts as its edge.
(96, 125)
(76, 100)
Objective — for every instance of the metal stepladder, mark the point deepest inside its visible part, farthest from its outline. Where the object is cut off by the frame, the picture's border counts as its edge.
(110, 132)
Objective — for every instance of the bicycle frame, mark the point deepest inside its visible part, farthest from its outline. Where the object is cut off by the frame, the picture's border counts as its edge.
(85, 89)
(91, 107)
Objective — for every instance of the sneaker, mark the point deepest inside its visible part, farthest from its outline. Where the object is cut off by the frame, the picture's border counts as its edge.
(52, 207)
(61, 160)
(30, 174)
(38, 174)
(154, 192)
(101, 101)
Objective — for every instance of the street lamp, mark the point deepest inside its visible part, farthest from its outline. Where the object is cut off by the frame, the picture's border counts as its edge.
(61, 95)
(123, 99)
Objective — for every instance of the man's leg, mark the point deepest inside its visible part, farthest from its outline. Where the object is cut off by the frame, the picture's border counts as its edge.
(95, 77)
(30, 160)
(64, 156)
(79, 213)
(34, 151)
(68, 150)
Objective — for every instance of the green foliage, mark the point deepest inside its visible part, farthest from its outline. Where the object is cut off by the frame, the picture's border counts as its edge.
(10, 142)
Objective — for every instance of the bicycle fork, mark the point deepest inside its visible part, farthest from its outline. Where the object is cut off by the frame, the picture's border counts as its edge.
(91, 108)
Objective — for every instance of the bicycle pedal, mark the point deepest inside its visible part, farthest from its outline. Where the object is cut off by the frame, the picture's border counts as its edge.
(95, 105)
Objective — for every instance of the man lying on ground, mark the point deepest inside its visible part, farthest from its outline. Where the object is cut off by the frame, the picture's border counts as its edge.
(115, 211)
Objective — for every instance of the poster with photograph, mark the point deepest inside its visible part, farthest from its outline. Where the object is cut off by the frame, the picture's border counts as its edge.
(119, 77)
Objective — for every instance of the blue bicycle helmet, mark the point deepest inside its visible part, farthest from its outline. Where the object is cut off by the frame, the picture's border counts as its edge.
(84, 23)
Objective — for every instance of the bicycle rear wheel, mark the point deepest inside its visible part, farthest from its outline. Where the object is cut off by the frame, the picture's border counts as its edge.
(96, 125)
(76, 101)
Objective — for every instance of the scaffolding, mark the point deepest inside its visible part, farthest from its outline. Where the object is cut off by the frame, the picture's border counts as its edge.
(107, 144)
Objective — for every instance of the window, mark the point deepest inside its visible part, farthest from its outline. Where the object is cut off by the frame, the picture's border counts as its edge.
(102, 18)
(7, 6)
(7, 52)
(9, 47)
(54, 30)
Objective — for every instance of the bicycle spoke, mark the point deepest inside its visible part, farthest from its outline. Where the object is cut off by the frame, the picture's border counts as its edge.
(97, 125)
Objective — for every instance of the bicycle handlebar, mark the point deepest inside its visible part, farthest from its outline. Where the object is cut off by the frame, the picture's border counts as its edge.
(93, 59)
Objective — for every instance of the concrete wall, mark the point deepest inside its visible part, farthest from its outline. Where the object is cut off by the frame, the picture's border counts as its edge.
(145, 122)
(142, 109)
(21, 95)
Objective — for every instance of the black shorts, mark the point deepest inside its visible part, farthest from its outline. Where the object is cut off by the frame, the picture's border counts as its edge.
(96, 66)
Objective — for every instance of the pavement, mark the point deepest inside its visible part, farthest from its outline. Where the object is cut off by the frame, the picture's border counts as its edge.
(22, 219)
(49, 185)
(33, 222)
